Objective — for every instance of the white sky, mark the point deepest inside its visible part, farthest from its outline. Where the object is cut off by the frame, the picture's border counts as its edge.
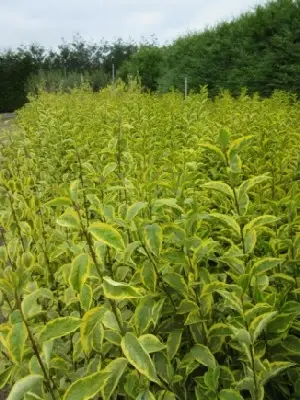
(48, 21)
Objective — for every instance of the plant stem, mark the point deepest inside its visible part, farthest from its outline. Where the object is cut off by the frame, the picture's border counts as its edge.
(16, 220)
(94, 258)
(162, 285)
(120, 323)
(8, 302)
(254, 374)
(35, 349)
(83, 191)
(6, 248)
(89, 241)
(239, 213)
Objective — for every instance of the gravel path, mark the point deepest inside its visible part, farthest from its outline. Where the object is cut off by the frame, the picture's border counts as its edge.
(6, 120)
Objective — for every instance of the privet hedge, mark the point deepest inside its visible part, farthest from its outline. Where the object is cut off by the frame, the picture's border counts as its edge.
(150, 248)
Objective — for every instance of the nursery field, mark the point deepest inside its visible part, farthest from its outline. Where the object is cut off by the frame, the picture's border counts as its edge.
(150, 248)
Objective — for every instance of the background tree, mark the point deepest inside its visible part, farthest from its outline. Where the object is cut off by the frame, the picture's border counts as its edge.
(260, 51)
(147, 64)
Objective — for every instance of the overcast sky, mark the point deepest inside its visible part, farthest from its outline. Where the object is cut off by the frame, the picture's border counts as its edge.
(48, 21)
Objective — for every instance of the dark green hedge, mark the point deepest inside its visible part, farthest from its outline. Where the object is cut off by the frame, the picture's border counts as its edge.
(259, 51)
(23, 66)
(15, 69)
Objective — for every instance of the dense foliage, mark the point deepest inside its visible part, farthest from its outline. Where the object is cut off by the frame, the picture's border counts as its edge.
(26, 70)
(15, 70)
(151, 248)
(260, 50)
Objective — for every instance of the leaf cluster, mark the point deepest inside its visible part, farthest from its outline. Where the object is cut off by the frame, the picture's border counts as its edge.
(150, 248)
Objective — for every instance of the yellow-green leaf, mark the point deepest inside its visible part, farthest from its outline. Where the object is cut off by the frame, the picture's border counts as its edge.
(88, 324)
(108, 235)
(110, 321)
(173, 343)
(114, 371)
(249, 183)
(243, 336)
(47, 351)
(235, 163)
(187, 306)
(284, 277)
(86, 297)
(273, 369)
(237, 144)
(29, 304)
(151, 343)
(109, 168)
(215, 149)
(232, 301)
(143, 314)
(224, 137)
(3, 254)
(259, 324)
(134, 210)
(230, 394)
(258, 309)
(153, 238)
(261, 266)
(60, 363)
(74, 187)
(69, 220)
(4, 377)
(260, 221)
(203, 250)
(34, 366)
(203, 355)
(119, 291)
(59, 201)
(281, 323)
(16, 342)
(23, 385)
(113, 337)
(227, 220)
(219, 329)
(6, 287)
(98, 337)
(292, 344)
(27, 259)
(176, 281)
(86, 388)
(250, 241)
(168, 203)
(130, 249)
(149, 277)
(212, 287)
(166, 395)
(80, 270)
(145, 395)
(59, 327)
(138, 357)
(219, 187)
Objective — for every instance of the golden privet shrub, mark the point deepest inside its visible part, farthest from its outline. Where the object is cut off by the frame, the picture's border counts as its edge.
(150, 247)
